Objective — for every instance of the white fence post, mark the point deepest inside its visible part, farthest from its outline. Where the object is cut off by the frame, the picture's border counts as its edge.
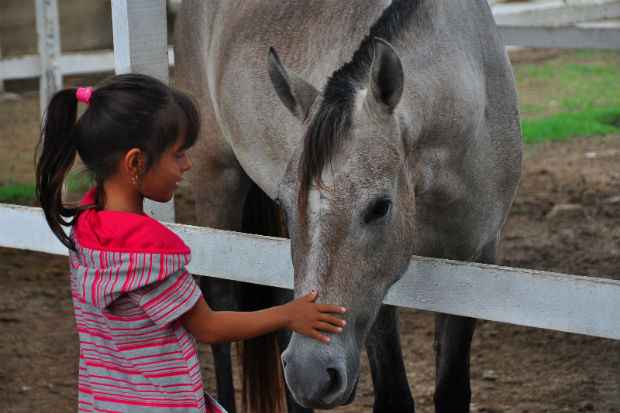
(48, 34)
(140, 37)
(141, 46)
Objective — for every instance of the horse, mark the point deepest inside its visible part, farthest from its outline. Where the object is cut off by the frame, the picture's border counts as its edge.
(381, 131)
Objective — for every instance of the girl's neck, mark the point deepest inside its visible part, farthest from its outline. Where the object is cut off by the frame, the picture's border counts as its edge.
(122, 197)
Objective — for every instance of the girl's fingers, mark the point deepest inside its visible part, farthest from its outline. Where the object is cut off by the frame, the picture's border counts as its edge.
(315, 334)
(330, 308)
(320, 325)
(312, 296)
(333, 320)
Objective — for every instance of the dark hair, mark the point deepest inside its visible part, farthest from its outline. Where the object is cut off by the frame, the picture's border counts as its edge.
(124, 112)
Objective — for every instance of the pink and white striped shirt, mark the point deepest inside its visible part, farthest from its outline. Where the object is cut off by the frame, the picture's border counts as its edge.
(130, 286)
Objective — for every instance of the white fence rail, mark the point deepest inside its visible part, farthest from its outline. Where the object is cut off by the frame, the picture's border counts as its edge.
(584, 305)
(587, 35)
(29, 66)
(554, 12)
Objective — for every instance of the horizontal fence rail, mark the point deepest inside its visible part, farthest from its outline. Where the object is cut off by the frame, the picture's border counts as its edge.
(29, 66)
(575, 304)
(552, 13)
(593, 35)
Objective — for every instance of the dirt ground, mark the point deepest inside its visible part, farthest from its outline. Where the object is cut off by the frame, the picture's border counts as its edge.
(566, 218)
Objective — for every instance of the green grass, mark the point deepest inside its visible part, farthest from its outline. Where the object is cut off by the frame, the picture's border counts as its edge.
(17, 193)
(79, 182)
(567, 125)
(574, 94)
(25, 192)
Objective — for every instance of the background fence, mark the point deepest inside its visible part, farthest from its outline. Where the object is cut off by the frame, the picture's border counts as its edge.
(546, 24)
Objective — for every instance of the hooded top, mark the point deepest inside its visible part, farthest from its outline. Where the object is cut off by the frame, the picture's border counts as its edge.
(130, 286)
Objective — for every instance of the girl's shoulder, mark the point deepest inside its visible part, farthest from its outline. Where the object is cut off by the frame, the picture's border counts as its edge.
(125, 232)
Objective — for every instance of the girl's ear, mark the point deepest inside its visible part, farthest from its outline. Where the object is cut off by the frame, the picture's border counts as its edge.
(133, 163)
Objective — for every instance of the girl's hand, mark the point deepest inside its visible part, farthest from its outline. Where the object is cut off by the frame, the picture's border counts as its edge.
(306, 317)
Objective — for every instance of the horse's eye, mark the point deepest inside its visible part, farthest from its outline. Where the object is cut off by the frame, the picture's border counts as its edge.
(378, 209)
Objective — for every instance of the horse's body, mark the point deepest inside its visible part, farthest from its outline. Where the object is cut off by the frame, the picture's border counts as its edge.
(416, 143)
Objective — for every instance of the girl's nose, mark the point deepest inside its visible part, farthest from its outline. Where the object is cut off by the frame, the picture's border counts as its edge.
(187, 165)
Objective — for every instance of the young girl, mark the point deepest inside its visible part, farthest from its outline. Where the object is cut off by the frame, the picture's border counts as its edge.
(137, 309)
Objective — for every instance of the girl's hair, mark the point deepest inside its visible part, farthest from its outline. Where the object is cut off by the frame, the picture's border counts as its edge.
(125, 112)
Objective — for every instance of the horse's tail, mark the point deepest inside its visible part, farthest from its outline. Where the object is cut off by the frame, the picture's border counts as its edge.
(262, 378)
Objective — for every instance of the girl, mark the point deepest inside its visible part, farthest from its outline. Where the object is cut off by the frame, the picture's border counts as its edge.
(137, 309)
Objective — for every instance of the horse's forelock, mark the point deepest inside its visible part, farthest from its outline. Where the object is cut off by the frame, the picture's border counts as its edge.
(331, 123)
(328, 127)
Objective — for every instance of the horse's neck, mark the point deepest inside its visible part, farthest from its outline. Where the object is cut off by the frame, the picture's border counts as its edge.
(313, 38)
(328, 34)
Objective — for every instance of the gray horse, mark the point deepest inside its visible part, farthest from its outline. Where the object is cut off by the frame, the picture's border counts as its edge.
(392, 130)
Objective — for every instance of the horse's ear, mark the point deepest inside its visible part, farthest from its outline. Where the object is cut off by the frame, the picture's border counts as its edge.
(386, 74)
(296, 94)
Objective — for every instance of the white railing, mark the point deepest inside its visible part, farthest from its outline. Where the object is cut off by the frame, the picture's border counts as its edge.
(584, 305)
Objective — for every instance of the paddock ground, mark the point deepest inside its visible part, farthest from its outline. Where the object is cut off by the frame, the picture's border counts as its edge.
(566, 218)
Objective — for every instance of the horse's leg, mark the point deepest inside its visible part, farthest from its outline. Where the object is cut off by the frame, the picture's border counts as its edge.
(392, 393)
(453, 335)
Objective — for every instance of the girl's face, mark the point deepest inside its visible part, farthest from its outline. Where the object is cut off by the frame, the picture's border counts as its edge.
(162, 179)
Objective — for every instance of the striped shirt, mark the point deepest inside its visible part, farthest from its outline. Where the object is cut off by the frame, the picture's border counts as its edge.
(129, 287)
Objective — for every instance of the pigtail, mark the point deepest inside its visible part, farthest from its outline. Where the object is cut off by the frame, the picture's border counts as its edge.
(56, 155)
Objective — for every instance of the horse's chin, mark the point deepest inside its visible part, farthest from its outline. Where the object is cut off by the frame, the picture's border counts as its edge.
(352, 395)
(331, 404)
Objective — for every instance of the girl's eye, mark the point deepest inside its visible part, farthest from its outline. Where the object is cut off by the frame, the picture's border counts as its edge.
(377, 210)
(180, 155)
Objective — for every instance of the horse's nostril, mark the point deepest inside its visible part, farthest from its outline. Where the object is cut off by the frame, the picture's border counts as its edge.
(334, 381)
(284, 363)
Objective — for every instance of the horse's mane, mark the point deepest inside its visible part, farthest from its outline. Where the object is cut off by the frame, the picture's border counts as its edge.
(332, 121)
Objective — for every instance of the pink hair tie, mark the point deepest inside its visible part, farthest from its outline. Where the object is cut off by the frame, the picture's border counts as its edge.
(83, 94)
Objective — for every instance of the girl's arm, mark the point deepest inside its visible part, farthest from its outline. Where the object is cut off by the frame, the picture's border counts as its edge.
(303, 316)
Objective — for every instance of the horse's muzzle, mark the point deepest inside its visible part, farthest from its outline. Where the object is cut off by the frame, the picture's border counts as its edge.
(317, 377)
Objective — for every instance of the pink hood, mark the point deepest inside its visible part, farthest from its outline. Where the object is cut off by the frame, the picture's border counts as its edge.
(120, 252)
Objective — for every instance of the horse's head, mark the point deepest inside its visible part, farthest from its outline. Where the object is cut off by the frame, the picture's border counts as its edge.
(349, 198)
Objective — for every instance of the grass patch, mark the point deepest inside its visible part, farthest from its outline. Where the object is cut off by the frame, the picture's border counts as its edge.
(79, 182)
(560, 126)
(574, 94)
(25, 193)
(572, 81)
(17, 193)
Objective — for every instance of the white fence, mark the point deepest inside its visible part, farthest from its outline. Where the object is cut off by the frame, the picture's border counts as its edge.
(575, 304)
(563, 302)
